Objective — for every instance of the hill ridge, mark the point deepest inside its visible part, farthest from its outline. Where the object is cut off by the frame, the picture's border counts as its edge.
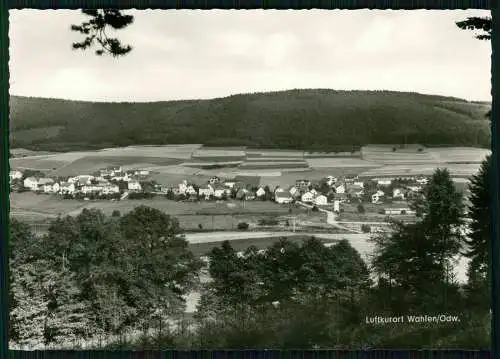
(303, 119)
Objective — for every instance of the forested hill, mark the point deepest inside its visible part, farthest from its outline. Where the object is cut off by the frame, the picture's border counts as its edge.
(301, 119)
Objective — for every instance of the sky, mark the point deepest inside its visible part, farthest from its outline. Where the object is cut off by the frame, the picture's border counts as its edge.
(195, 54)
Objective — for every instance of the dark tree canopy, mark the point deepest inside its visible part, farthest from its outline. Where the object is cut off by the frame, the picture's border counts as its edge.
(95, 32)
(481, 24)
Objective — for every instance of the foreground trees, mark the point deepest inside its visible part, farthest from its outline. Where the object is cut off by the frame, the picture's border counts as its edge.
(118, 273)
(111, 273)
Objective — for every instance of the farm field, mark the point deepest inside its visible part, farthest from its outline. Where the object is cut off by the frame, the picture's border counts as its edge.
(339, 162)
(456, 170)
(43, 204)
(90, 164)
(458, 154)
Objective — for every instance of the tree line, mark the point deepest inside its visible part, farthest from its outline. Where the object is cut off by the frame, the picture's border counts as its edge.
(94, 275)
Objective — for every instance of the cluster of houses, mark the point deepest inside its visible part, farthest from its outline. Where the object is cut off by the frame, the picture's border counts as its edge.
(331, 190)
(103, 183)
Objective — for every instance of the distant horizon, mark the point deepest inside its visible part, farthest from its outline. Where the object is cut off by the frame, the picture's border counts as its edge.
(252, 93)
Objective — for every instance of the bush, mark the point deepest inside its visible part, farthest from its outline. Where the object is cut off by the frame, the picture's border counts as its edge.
(361, 208)
(315, 209)
(243, 226)
(268, 222)
(365, 228)
(394, 149)
(200, 226)
(116, 213)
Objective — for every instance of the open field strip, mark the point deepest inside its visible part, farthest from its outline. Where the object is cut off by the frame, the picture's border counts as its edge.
(457, 170)
(169, 151)
(458, 154)
(339, 162)
(274, 153)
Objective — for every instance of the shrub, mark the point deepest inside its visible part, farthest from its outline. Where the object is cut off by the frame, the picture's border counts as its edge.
(268, 222)
(116, 213)
(315, 209)
(365, 228)
(243, 226)
(361, 208)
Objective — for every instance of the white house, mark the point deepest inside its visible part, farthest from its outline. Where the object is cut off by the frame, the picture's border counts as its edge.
(307, 197)
(31, 183)
(398, 193)
(415, 188)
(294, 191)
(398, 211)
(384, 182)
(109, 188)
(340, 189)
(51, 187)
(125, 177)
(219, 192)
(91, 189)
(206, 191)
(229, 184)
(183, 187)
(376, 197)
(321, 200)
(15, 175)
(359, 184)
(422, 181)
(330, 180)
(67, 188)
(336, 206)
(191, 190)
(134, 186)
(261, 192)
(141, 173)
(283, 197)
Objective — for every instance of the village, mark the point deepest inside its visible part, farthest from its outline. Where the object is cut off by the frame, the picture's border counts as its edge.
(115, 183)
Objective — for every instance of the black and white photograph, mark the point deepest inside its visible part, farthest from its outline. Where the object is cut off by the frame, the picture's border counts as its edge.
(249, 179)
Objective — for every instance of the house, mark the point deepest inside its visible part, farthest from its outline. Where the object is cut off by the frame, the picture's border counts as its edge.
(183, 187)
(383, 181)
(398, 193)
(321, 200)
(283, 197)
(66, 188)
(219, 192)
(124, 177)
(301, 183)
(109, 188)
(294, 191)
(314, 192)
(330, 180)
(141, 173)
(422, 181)
(398, 211)
(376, 197)
(81, 180)
(415, 188)
(90, 189)
(229, 184)
(51, 187)
(134, 186)
(31, 183)
(206, 191)
(340, 188)
(307, 197)
(359, 184)
(15, 175)
(37, 184)
(336, 206)
(261, 192)
(190, 190)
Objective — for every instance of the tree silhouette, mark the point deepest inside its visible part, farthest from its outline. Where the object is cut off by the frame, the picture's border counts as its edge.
(95, 31)
(482, 24)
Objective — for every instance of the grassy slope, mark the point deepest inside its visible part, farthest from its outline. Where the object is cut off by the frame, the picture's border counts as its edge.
(300, 119)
